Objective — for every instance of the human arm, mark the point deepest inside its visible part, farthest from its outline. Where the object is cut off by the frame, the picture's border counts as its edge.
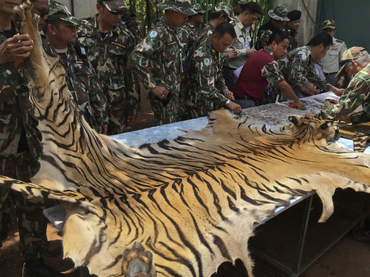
(15, 49)
(355, 95)
(275, 77)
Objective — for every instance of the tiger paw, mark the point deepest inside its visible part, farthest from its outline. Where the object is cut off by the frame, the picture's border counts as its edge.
(25, 21)
(137, 262)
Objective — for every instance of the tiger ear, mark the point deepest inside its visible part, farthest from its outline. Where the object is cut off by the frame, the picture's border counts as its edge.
(326, 125)
(294, 120)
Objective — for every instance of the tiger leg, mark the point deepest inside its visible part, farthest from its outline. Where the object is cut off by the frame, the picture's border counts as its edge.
(137, 262)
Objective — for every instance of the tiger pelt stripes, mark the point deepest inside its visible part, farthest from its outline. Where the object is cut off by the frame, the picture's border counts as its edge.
(191, 202)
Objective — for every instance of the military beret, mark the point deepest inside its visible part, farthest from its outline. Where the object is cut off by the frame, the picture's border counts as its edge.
(294, 15)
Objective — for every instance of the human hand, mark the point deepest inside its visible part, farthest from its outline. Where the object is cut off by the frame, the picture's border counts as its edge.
(131, 118)
(340, 83)
(103, 129)
(336, 91)
(300, 105)
(310, 87)
(234, 107)
(232, 53)
(249, 52)
(160, 92)
(229, 95)
(15, 49)
(346, 119)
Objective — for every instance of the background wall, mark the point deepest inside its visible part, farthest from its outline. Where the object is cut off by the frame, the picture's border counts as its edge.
(81, 8)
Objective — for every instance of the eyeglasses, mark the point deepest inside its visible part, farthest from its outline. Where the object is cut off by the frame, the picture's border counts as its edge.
(42, 13)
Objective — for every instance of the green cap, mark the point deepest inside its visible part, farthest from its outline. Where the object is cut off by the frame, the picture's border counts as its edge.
(328, 24)
(113, 5)
(224, 8)
(349, 56)
(280, 13)
(197, 8)
(181, 6)
(59, 11)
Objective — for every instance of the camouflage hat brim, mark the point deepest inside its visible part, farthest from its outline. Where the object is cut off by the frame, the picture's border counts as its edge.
(276, 17)
(341, 71)
(74, 20)
(115, 5)
(181, 7)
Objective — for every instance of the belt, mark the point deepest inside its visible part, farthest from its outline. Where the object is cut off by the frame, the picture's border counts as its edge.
(245, 97)
(328, 74)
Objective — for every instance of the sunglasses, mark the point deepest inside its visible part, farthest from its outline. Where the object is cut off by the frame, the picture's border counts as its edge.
(116, 12)
(42, 13)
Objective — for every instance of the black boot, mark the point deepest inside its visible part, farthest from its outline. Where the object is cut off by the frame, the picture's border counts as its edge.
(37, 268)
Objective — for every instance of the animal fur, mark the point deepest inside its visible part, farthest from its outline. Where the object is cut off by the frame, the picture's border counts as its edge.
(192, 202)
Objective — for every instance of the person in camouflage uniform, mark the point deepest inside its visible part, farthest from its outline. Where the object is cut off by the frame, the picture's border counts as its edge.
(277, 22)
(207, 90)
(188, 34)
(108, 44)
(356, 62)
(261, 70)
(297, 65)
(223, 13)
(83, 85)
(157, 61)
(20, 144)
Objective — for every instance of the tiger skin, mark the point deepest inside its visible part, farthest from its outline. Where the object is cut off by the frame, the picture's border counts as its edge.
(181, 207)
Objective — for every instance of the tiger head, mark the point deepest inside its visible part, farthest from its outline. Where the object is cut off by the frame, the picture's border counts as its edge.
(312, 129)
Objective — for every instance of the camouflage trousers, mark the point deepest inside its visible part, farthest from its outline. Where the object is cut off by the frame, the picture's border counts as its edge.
(117, 122)
(165, 111)
(32, 223)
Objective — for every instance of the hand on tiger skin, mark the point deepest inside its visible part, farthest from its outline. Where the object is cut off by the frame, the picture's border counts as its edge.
(346, 119)
(103, 129)
(337, 91)
(15, 49)
(234, 107)
(131, 118)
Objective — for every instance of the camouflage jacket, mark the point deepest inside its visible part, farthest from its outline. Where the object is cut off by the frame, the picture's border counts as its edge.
(109, 56)
(84, 87)
(296, 66)
(16, 112)
(157, 59)
(356, 94)
(204, 35)
(188, 36)
(206, 79)
(263, 35)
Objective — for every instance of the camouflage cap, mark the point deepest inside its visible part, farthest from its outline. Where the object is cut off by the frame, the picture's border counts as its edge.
(197, 8)
(59, 11)
(328, 24)
(181, 6)
(113, 5)
(241, 2)
(224, 8)
(349, 56)
(280, 13)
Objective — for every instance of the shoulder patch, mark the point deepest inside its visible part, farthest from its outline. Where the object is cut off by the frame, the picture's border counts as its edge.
(153, 34)
(304, 57)
(206, 62)
(340, 41)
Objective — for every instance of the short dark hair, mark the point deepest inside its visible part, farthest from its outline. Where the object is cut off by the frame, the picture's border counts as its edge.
(224, 28)
(55, 23)
(278, 36)
(323, 38)
(251, 7)
(216, 15)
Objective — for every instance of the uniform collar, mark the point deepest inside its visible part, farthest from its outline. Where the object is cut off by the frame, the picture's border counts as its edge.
(268, 50)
